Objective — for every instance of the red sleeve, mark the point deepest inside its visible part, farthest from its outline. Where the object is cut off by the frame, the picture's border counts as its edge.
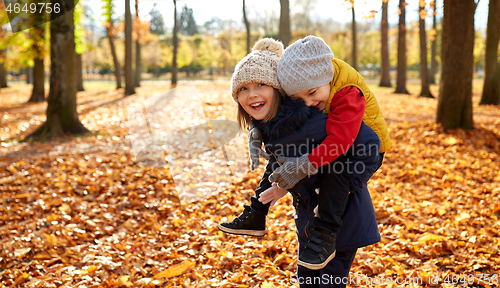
(342, 127)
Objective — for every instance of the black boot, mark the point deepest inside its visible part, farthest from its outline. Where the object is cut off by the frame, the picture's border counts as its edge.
(251, 222)
(320, 249)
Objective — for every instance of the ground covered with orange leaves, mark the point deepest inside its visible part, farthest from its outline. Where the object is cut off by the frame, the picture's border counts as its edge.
(80, 212)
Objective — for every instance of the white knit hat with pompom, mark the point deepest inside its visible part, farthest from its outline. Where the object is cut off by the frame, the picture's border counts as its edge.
(260, 66)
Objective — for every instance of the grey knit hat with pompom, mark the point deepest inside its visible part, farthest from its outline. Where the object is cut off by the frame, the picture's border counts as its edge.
(305, 64)
(260, 66)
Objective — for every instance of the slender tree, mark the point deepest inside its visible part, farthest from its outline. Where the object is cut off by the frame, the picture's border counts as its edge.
(491, 87)
(129, 79)
(62, 117)
(79, 46)
(385, 80)
(424, 75)
(247, 25)
(434, 63)
(455, 89)
(138, 26)
(176, 44)
(3, 74)
(38, 36)
(79, 72)
(156, 24)
(187, 23)
(354, 36)
(108, 13)
(284, 32)
(401, 79)
(29, 75)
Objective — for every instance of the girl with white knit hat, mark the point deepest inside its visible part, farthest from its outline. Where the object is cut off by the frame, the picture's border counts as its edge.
(290, 128)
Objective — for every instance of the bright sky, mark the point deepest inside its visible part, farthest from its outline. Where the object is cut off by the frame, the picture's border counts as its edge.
(204, 10)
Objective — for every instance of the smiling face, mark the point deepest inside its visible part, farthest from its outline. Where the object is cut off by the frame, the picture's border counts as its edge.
(316, 97)
(257, 99)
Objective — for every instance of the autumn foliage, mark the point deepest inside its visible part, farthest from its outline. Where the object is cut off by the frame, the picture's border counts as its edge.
(80, 212)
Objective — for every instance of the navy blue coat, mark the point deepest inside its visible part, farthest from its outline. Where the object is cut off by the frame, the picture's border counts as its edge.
(297, 130)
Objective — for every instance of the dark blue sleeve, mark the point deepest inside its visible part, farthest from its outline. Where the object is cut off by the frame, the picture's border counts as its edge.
(363, 157)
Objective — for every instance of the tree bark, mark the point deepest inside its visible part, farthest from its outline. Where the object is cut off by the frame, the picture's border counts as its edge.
(354, 44)
(385, 80)
(455, 90)
(401, 78)
(62, 118)
(3, 73)
(38, 93)
(424, 75)
(247, 25)
(175, 43)
(115, 58)
(491, 87)
(129, 78)
(79, 72)
(284, 33)
(29, 75)
(434, 63)
(138, 68)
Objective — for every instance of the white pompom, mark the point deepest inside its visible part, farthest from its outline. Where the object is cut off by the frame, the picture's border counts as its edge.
(269, 44)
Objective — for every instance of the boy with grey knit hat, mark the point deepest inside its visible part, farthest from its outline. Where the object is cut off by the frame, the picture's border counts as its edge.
(307, 70)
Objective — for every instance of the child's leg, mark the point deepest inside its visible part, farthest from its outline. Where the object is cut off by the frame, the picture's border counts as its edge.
(263, 186)
(334, 274)
(337, 271)
(252, 221)
(333, 194)
(332, 200)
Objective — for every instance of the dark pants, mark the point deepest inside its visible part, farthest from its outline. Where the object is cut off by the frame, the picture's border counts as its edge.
(334, 181)
(263, 186)
(335, 274)
(333, 194)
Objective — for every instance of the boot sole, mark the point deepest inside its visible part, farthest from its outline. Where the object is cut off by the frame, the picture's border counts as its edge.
(316, 266)
(258, 233)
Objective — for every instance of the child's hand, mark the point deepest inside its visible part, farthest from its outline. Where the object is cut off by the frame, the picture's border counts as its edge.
(272, 195)
(292, 171)
(255, 139)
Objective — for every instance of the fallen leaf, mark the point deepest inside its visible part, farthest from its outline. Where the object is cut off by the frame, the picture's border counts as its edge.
(176, 270)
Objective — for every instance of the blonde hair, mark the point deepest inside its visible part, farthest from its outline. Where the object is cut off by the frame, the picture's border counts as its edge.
(245, 120)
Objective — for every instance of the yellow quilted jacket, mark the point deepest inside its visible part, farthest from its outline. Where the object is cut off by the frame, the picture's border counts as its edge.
(345, 76)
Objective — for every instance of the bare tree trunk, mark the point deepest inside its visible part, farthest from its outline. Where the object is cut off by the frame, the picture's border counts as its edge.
(79, 72)
(434, 64)
(138, 68)
(129, 78)
(385, 80)
(115, 58)
(247, 25)
(354, 44)
(176, 43)
(455, 90)
(401, 79)
(424, 76)
(29, 75)
(3, 74)
(491, 88)
(62, 118)
(284, 33)
(38, 93)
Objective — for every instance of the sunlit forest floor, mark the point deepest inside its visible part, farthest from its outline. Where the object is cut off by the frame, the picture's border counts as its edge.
(80, 212)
